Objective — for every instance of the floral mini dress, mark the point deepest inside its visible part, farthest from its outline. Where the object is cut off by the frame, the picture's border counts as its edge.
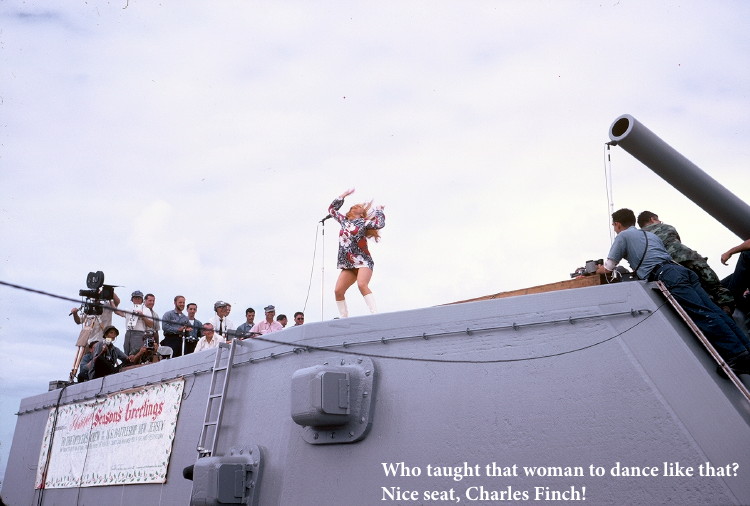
(353, 250)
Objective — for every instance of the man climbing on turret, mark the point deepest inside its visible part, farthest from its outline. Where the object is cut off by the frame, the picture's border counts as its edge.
(689, 258)
(649, 259)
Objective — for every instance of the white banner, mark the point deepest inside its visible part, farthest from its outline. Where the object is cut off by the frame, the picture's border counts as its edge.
(125, 438)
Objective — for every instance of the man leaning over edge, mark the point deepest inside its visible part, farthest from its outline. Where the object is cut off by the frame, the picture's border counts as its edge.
(649, 259)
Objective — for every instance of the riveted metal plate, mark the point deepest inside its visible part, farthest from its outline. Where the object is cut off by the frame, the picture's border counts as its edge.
(361, 373)
(228, 479)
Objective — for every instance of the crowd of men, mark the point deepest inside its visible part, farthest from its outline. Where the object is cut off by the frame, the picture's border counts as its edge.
(150, 338)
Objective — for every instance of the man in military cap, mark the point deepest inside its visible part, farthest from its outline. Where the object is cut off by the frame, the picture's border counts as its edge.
(108, 359)
(137, 322)
(689, 258)
(223, 326)
(269, 324)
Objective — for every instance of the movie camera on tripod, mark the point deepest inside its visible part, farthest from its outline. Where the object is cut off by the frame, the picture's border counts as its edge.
(96, 293)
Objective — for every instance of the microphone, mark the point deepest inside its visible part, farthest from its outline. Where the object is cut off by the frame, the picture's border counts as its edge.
(324, 219)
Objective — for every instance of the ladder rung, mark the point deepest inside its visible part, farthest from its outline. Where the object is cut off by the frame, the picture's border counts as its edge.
(215, 372)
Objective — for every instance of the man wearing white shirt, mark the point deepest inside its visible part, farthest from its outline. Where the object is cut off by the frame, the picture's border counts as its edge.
(148, 310)
(223, 326)
(208, 340)
(136, 323)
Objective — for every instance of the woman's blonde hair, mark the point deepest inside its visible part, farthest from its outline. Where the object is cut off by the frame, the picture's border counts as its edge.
(369, 214)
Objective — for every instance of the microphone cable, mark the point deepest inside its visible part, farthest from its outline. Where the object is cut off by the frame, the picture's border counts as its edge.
(312, 266)
(608, 186)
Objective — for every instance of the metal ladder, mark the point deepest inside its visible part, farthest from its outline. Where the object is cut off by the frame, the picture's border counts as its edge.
(215, 403)
(704, 340)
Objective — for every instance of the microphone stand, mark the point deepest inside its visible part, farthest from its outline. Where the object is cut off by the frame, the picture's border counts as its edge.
(323, 266)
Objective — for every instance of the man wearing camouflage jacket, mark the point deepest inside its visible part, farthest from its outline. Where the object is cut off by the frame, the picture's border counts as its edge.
(688, 258)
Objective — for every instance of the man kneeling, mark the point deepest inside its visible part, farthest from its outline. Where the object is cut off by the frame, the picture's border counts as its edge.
(108, 358)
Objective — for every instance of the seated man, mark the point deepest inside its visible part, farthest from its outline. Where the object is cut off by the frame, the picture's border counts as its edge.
(208, 340)
(106, 355)
(649, 260)
(739, 281)
(689, 258)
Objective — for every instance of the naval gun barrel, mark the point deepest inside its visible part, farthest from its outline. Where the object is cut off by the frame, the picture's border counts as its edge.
(728, 209)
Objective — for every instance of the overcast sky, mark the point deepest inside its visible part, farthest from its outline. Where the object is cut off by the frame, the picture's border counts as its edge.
(192, 147)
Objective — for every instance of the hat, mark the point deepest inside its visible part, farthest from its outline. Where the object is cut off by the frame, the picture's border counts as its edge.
(111, 327)
(268, 309)
(137, 293)
(219, 303)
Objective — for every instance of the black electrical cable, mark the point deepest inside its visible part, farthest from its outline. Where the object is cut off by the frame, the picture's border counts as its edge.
(296, 348)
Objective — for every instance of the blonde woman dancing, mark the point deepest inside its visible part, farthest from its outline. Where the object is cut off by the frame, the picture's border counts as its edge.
(358, 225)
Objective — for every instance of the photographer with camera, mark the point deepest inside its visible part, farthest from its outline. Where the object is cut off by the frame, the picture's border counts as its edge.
(176, 327)
(108, 359)
(93, 325)
(192, 337)
(136, 323)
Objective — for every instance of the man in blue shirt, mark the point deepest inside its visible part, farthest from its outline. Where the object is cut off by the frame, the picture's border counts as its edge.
(243, 330)
(649, 259)
(174, 324)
